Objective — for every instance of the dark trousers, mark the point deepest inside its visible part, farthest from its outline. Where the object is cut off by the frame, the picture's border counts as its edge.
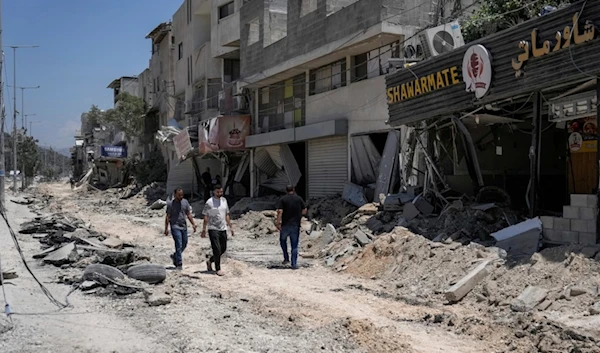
(180, 237)
(218, 242)
(206, 193)
(293, 232)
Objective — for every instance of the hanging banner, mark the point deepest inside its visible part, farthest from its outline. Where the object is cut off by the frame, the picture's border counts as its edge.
(113, 151)
(583, 135)
(224, 133)
(183, 144)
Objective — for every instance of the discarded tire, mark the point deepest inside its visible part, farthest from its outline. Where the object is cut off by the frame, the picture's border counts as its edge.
(99, 273)
(149, 273)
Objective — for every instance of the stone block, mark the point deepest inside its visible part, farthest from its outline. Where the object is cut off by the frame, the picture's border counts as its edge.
(578, 225)
(588, 213)
(587, 238)
(361, 238)
(571, 212)
(583, 200)
(547, 222)
(552, 236)
(569, 236)
(467, 283)
(562, 224)
(529, 298)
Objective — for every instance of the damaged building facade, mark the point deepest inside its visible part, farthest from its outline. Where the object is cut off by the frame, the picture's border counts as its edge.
(515, 111)
(316, 72)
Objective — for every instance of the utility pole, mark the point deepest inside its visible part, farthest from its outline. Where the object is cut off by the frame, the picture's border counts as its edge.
(14, 48)
(23, 115)
(2, 162)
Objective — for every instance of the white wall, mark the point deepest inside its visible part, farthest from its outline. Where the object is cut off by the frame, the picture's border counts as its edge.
(363, 104)
(226, 29)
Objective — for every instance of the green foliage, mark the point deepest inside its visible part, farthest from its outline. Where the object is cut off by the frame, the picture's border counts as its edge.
(127, 116)
(496, 15)
(27, 151)
(150, 170)
(95, 116)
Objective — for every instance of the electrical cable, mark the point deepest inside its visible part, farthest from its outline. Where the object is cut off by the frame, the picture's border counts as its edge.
(45, 290)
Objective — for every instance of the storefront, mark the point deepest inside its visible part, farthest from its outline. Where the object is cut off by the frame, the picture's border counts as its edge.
(517, 110)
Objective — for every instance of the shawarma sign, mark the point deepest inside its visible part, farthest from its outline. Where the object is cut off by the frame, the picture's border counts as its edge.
(422, 85)
(562, 40)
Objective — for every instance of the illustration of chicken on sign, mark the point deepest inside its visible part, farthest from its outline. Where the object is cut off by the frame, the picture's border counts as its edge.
(477, 70)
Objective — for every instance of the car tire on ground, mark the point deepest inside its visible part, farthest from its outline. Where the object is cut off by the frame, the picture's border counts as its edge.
(149, 273)
(99, 273)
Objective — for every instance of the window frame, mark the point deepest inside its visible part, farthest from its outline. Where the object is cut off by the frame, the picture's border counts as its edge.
(226, 6)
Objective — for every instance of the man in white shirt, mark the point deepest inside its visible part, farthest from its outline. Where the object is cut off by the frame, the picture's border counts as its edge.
(217, 219)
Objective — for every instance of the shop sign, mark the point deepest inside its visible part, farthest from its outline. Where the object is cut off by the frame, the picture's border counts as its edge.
(224, 133)
(477, 70)
(562, 40)
(583, 135)
(422, 85)
(113, 151)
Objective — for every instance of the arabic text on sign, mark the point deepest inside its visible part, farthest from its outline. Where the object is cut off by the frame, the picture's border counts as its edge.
(562, 40)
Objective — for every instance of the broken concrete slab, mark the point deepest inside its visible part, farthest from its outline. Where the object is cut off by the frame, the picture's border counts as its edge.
(590, 251)
(529, 298)
(329, 234)
(410, 211)
(521, 239)
(577, 291)
(423, 206)
(113, 242)
(88, 285)
(158, 204)
(65, 255)
(467, 283)
(45, 252)
(362, 238)
(544, 305)
(368, 209)
(158, 299)
(374, 224)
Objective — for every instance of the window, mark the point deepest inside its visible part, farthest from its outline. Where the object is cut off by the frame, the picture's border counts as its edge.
(328, 77)
(275, 22)
(231, 70)
(180, 51)
(374, 63)
(253, 31)
(307, 7)
(226, 10)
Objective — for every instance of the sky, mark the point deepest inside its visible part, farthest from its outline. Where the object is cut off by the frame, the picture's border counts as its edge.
(83, 46)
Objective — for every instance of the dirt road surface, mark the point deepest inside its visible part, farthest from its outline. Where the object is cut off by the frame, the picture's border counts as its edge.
(257, 307)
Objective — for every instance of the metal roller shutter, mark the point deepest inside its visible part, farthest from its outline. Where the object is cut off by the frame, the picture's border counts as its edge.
(327, 166)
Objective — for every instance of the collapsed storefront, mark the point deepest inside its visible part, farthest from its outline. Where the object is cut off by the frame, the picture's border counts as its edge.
(216, 146)
(516, 110)
(109, 168)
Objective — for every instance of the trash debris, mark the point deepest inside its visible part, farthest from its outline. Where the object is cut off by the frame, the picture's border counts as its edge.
(113, 242)
(529, 298)
(158, 299)
(467, 283)
(64, 255)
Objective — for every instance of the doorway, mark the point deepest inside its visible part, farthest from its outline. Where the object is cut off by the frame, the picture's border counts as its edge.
(299, 152)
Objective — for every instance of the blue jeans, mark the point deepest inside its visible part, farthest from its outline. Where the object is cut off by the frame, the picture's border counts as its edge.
(180, 237)
(293, 232)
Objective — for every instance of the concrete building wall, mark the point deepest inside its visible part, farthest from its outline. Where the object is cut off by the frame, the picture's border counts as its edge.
(314, 30)
(225, 30)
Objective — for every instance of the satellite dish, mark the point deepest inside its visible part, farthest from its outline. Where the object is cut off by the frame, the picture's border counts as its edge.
(443, 42)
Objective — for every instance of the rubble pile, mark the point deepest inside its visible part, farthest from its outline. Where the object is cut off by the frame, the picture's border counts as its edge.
(329, 210)
(258, 204)
(259, 223)
(152, 192)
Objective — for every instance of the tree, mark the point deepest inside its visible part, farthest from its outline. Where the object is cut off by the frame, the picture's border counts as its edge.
(496, 15)
(95, 116)
(127, 116)
(29, 158)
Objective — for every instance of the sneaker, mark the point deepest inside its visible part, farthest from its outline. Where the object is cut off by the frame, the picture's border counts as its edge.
(209, 266)
(294, 267)
(285, 262)
(172, 256)
(179, 268)
(220, 273)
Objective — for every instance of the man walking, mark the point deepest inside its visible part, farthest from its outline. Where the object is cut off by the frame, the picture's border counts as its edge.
(217, 219)
(290, 210)
(207, 183)
(177, 211)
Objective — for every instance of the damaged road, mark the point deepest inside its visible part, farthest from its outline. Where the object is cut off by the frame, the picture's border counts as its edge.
(372, 298)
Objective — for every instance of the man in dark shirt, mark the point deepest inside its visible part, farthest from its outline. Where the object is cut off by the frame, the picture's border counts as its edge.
(177, 211)
(207, 183)
(290, 210)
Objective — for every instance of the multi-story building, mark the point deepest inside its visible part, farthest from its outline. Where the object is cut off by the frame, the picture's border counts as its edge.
(317, 71)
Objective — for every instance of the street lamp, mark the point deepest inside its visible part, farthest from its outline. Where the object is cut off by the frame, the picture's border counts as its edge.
(14, 48)
(26, 115)
(31, 123)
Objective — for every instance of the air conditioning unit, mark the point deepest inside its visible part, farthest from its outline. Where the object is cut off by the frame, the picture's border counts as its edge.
(441, 39)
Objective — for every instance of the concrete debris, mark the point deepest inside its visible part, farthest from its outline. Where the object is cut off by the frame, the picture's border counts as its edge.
(577, 291)
(8, 274)
(368, 209)
(260, 223)
(158, 205)
(522, 239)
(22, 201)
(88, 285)
(45, 253)
(64, 255)
(595, 309)
(329, 210)
(248, 204)
(113, 242)
(328, 234)
(158, 299)
(529, 298)
(423, 205)
(467, 283)
(410, 212)
(362, 238)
